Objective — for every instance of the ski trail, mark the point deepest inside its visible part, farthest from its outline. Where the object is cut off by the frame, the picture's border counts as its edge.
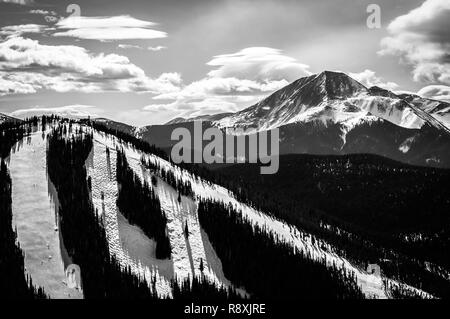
(186, 260)
(189, 251)
(34, 207)
(127, 242)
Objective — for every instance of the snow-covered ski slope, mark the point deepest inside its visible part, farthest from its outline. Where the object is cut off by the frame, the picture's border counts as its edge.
(186, 254)
(34, 208)
(129, 244)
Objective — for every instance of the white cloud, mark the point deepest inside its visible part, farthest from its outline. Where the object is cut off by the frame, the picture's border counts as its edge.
(369, 79)
(258, 64)
(19, 2)
(191, 108)
(15, 87)
(236, 81)
(210, 106)
(107, 28)
(212, 86)
(173, 78)
(421, 38)
(24, 53)
(157, 48)
(138, 47)
(129, 46)
(72, 111)
(33, 66)
(42, 12)
(437, 92)
(17, 30)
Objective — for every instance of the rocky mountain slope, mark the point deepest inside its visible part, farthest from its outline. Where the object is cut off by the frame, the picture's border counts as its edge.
(331, 113)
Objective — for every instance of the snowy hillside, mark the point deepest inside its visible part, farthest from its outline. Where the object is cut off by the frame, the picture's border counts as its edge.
(187, 255)
(35, 206)
(438, 109)
(47, 261)
(128, 242)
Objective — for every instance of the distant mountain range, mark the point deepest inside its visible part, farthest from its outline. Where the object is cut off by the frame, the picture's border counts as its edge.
(330, 98)
(6, 118)
(331, 113)
(214, 117)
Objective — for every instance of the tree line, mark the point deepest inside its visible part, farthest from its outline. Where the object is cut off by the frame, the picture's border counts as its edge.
(267, 267)
(341, 200)
(14, 284)
(361, 204)
(83, 234)
(127, 138)
(200, 288)
(138, 202)
(10, 133)
(182, 187)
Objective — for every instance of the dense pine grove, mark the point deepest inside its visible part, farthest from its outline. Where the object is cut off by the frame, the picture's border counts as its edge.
(127, 138)
(83, 235)
(10, 133)
(183, 187)
(399, 292)
(267, 267)
(199, 288)
(362, 204)
(139, 204)
(340, 198)
(13, 282)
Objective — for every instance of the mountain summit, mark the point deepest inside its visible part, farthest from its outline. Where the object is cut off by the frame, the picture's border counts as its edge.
(329, 98)
(332, 113)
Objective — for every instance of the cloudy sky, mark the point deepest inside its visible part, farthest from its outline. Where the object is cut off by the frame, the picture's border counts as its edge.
(148, 61)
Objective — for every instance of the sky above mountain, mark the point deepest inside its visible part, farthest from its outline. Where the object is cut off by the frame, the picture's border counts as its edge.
(146, 62)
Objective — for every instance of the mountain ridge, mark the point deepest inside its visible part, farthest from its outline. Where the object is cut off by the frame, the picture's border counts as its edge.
(331, 113)
(6, 118)
(327, 97)
(294, 103)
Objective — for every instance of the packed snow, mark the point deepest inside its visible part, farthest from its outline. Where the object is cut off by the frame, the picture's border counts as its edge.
(187, 251)
(127, 243)
(34, 207)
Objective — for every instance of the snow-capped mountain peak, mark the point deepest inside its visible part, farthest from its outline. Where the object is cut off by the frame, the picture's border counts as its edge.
(338, 85)
(327, 97)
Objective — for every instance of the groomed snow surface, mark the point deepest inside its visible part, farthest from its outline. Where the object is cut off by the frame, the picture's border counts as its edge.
(130, 245)
(35, 216)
